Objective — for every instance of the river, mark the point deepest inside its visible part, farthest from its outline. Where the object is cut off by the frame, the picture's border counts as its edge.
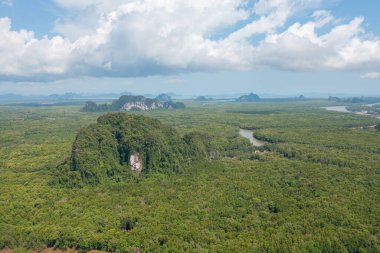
(248, 134)
(343, 108)
(336, 108)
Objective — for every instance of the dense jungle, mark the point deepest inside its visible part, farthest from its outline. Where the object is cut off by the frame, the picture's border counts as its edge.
(314, 186)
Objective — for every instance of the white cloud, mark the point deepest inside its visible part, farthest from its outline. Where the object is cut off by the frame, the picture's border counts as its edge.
(265, 7)
(7, 2)
(22, 55)
(140, 38)
(300, 48)
(370, 75)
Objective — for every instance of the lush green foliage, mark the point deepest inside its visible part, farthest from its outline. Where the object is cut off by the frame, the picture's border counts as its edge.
(174, 105)
(103, 150)
(317, 190)
(91, 106)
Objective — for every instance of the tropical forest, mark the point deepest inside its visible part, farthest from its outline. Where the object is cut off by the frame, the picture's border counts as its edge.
(312, 185)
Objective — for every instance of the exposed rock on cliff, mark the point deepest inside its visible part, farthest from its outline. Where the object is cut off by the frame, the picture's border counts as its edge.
(132, 103)
(142, 105)
(136, 163)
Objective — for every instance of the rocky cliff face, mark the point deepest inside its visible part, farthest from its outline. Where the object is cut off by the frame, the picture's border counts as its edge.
(141, 105)
(132, 103)
(135, 163)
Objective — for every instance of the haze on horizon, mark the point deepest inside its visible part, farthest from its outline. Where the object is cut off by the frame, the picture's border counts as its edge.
(282, 47)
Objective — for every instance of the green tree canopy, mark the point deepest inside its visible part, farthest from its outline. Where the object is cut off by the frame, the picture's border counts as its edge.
(104, 149)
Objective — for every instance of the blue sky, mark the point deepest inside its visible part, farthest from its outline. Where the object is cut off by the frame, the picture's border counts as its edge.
(283, 47)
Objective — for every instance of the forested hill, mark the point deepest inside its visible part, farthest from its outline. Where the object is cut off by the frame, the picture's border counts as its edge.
(248, 98)
(122, 145)
(132, 103)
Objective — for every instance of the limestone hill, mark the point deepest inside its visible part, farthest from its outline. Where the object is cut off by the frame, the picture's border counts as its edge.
(132, 103)
(120, 145)
(248, 98)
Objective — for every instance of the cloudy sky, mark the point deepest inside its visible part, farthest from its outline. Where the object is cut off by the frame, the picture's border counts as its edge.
(190, 46)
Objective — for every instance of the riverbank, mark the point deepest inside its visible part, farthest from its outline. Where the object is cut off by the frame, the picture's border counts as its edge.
(248, 134)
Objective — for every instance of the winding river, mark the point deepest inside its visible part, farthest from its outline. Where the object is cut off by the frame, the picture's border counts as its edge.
(248, 134)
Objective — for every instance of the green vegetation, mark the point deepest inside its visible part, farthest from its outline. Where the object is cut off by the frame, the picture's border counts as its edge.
(315, 189)
(174, 105)
(104, 150)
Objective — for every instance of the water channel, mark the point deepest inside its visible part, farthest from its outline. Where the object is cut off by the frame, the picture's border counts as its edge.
(249, 135)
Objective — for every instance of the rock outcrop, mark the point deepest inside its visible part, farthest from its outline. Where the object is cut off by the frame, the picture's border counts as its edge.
(141, 105)
(132, 103)
(136, 163)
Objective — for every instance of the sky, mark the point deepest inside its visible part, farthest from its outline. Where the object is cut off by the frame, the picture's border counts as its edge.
(190, 47)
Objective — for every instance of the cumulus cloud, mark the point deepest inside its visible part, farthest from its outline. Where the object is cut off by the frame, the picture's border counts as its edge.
(22, 55)
(124, 38)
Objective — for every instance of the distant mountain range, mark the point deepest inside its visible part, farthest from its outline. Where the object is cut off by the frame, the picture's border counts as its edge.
(167, 96)
(82, 96)
(65, 96)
